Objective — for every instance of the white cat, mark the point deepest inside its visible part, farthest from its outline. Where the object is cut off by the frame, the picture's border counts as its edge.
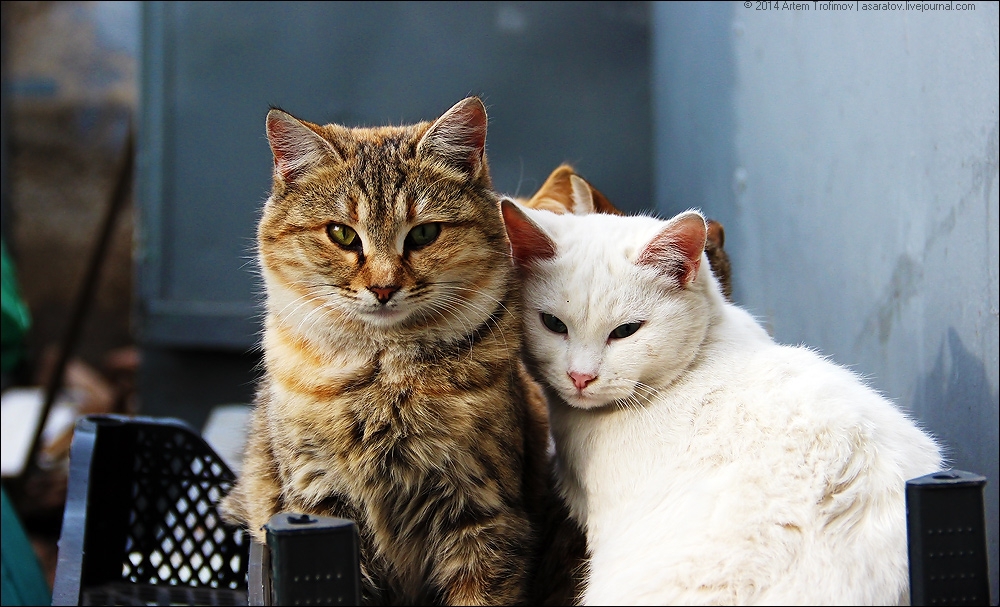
(708, 464)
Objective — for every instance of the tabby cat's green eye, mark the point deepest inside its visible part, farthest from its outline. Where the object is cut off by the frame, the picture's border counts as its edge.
(554, 324)
(343, 235)
(423, 235)
(625, 330)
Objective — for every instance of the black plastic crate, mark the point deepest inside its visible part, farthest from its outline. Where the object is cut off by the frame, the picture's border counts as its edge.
(141, 525)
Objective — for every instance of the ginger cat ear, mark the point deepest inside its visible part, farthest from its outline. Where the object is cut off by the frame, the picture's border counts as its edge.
(295, 145)
(601, 203)
(459, 137)
(560, 194)
(528, 242)
(556, 194)
(583, 200)
(676, 251)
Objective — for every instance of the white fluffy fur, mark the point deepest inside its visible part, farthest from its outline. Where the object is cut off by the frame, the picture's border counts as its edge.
(708, 464)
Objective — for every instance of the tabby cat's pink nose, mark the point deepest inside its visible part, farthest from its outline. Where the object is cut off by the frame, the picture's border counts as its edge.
(580, 380)
(383, 293)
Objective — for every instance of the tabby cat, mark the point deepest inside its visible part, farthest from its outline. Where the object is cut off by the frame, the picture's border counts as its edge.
(394, 393)
(708, 464)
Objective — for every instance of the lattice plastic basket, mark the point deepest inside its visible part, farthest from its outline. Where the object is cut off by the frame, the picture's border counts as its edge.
(141, 525)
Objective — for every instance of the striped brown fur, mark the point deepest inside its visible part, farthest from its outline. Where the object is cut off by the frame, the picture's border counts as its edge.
(412, 416)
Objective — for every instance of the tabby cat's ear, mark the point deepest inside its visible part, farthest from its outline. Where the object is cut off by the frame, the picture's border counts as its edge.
(459, 137)
(528, 242)
(295, 146)
(677, 250)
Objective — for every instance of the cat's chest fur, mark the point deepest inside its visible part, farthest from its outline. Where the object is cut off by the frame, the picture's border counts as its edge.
(390, 423)
(397, 445)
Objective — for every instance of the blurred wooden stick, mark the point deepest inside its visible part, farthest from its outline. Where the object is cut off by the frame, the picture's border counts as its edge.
(85, 295)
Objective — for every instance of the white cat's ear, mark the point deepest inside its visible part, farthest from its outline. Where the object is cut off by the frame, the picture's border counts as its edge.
(295, 146)
(528, 242)
(676, 251)
(583, 199)
(459, 137)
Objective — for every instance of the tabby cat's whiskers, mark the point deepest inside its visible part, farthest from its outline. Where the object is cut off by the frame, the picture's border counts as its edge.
(393, 393)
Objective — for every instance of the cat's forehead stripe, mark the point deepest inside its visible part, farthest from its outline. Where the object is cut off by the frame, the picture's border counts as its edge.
(382, 186)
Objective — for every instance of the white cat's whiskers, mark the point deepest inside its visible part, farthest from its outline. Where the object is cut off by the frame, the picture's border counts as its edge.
(635, 401)
(640, 393)
(640, 401)
(648, 392)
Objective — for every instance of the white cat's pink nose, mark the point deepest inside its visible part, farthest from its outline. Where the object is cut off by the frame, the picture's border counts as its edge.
(580, 380)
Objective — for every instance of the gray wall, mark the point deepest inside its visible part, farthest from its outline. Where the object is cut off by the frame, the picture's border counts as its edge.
(852, 157)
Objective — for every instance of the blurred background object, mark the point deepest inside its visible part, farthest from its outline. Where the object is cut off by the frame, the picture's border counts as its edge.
(69, 89)
(23, 582)
(15, 319)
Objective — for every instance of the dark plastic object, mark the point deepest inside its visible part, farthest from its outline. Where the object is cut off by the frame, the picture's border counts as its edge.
(314, 560)
(946, 526)
(141, 525)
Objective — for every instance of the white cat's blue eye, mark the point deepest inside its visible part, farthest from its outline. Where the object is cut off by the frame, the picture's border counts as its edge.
(553, 324)
(423, 235)
(622, 331)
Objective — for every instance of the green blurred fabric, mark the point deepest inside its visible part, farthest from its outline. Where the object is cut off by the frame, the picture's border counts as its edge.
(23, 582)
(15, 319)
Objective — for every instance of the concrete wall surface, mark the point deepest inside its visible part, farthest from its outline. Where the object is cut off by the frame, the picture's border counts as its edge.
(852, 156)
